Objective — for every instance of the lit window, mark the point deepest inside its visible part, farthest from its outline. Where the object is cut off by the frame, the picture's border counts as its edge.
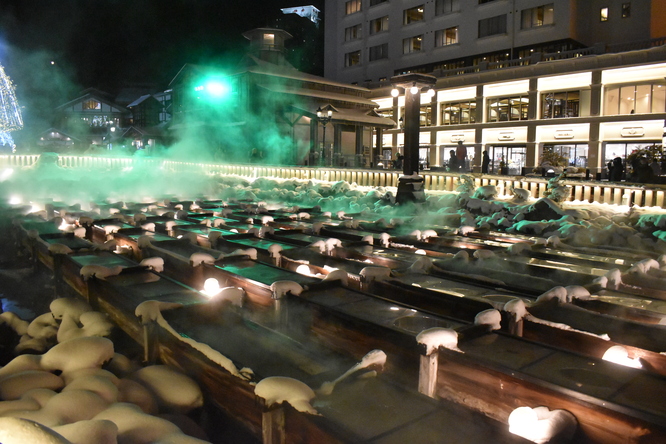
(626, 10)
(353, 33)
(379, 24)
(635, 99)
(535, 17)
(425, 115)
(352, 6)
(378, 52)
(446, 6)
(456, 113)
(412, 44)
(560, 104)
(492, 26)
(448, 36)
(353, 58)
(92, 104)
(603, 14)
(412, 15)
(507, 108)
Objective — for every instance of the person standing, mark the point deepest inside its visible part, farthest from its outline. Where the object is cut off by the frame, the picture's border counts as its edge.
(461, 155)
(617, 170)
(485, 162)
(453, 161)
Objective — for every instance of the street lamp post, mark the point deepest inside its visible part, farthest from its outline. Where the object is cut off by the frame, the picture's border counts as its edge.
(324, 118)
(410, 185)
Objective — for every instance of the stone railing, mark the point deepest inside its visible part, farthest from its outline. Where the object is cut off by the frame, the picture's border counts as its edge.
(582, 190)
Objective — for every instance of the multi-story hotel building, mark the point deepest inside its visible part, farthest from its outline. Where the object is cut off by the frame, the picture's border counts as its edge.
(585, 78)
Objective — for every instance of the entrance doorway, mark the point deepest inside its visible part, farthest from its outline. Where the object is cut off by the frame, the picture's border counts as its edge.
(506, 159)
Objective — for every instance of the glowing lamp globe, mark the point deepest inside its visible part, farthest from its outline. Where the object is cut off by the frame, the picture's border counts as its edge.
(395, 92)
(211, 287)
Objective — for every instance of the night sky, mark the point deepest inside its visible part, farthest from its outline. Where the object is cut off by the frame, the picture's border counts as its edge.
(110, 43)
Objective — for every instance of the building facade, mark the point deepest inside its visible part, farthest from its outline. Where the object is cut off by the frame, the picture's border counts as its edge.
(516, 78)
(590, 109)
(368, 41)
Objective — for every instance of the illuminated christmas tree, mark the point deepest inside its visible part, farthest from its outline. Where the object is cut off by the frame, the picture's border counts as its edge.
(10, 113)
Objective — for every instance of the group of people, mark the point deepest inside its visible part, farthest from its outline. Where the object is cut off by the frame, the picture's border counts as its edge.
(458, 158)
(642, 171)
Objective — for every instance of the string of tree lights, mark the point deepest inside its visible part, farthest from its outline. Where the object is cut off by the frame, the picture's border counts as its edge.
(10, 112)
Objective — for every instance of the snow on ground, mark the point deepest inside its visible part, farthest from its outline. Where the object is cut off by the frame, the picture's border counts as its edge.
(67, 390)
(81, 391)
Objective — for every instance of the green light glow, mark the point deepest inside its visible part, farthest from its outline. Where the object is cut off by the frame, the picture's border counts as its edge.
(217, 88)
(214, 89)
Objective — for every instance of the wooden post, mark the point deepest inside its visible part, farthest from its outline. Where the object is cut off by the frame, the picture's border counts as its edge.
(273, 426)
(428, 374)
(515, 325)
(150, 343)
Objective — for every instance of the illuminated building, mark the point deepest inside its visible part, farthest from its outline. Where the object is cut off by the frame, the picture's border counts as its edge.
(530, 81)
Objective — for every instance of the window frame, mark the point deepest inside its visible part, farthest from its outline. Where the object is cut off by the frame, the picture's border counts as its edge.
(625, 10)
(442, 38)
(425, 114)
(349, 58)
(492, 23)
(410, 41)
(566, 110)
(603, 14)
(443, 7)
(351, 4)
(381, 21)
(657, 98)
(358, 35)
(410, 15)
(534, 14)
(383, 53)
(522, 109)
(462, 106)
(91, 104)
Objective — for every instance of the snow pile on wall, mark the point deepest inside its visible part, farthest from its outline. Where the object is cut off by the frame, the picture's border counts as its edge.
(66, 396)
(279, 389)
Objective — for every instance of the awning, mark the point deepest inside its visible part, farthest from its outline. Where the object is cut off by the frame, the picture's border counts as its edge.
(352, 116)
(317, 94)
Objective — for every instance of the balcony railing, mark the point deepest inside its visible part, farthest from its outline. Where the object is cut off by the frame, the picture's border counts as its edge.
(543, 57)
(581, 190)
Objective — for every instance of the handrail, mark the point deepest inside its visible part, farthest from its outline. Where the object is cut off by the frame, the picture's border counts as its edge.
(613, 193)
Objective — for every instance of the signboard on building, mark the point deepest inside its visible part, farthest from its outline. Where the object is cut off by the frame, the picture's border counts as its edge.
(564, 134)
(632, 131)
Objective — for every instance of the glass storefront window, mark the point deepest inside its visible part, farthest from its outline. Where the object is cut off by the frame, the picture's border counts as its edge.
(507, 159)
(560, 104)
(456, 113)
(445, 156)
(576, 153)
(629, 99)
(642, 99)
(425, 116)
(507, 108)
